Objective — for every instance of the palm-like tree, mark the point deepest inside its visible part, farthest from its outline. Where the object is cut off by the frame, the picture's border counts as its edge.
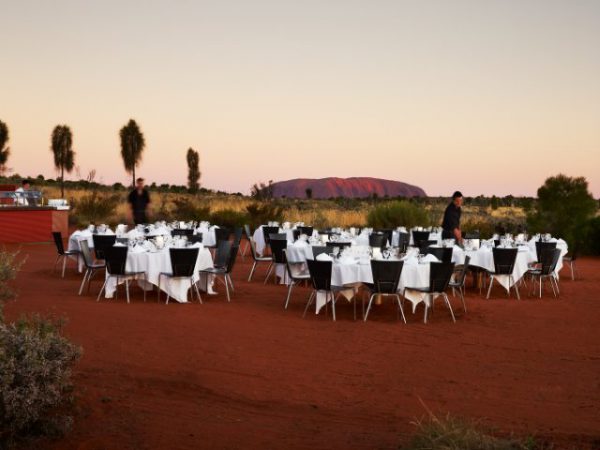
(193, 161)
(132, 146)
(64, 156)
(4, 151)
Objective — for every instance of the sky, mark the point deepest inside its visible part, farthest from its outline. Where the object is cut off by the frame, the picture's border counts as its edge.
(489, 97)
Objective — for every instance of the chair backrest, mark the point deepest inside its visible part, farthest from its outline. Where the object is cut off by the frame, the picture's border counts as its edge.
(116, 259)
(444, 254)
(182, 232)
(504, 260)
(439, 276)
(267, 231)
(183, 261)
(278, 247)
(318, 249)
(403, 241)
(84, 247)
(247, 231)
(60, 247)
(462, 275)
(222, 253)
(419, 236)
(386, 275)
(222, 234)
(253, 248)
(122, 240)
(548, 258)
(195, 238)
(237, 235)
(277, 236)
(388, 235)
(341, 245)
(232, 258)
(306, 230)
(294, 268)
(296, 234)
(320, 274)
(102, 242)
(541, 246)
(424, 245)
(377, 240)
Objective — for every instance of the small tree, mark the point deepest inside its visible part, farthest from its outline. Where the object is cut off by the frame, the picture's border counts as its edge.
(193, 162)
(308, 193)
(4, 151)
(564, 208)
(132, 146)
(64, 156)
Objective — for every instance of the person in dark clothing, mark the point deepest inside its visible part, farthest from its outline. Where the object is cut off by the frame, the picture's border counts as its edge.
(139, 199)
(451, 223)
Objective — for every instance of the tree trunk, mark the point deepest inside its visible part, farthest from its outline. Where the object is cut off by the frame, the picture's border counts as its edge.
(133, 179)
(62, 181)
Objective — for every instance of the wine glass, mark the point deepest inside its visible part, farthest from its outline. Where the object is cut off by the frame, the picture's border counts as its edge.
(336, 251)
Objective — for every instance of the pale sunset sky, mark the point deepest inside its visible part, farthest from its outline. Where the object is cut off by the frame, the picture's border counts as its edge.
(489, 97)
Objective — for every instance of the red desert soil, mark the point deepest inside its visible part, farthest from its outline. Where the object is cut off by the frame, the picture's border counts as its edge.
(248, 374)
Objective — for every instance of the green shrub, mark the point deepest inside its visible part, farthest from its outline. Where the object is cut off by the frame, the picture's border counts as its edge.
(397, 213)
(261, 213)
(95, 208)
(35, 379)
(592, 246)
(229, 218)
(187, 209)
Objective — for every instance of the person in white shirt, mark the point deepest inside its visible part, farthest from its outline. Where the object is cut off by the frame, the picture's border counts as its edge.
(21, 193)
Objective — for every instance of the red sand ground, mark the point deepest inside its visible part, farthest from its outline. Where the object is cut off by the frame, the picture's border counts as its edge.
(250, 375)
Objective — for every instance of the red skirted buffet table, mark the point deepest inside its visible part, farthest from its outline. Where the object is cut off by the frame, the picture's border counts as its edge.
(32, 223)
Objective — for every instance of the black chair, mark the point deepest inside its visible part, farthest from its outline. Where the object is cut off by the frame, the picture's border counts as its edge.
(389, 233)
(278, 247)
(504, 264)
(439, 279)
(238, 232)
(419, 237)
(425, 245)
(548, 259)
(116, 262)
(277, 236)
(182, 232)
(319, 249)
(183, 265)
(91, 267)
(444, 254)
(195, 238)
(458, 282)
(571, 260)
(320, 277)
(340, 245)
(296, 234)
(222, 234)
(248, 234)
(541, 246)
(386, 277)
(377, 240)
(62, 253)
(257, 259)
(102, 242)
(267, 232)
(296, 273)
(122, 240)
(306, 230)
(403, 241)
(228, 253)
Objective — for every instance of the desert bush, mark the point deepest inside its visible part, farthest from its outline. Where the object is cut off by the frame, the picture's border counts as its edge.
(229, 218)
(592, 242)
(95, 208)
(450, 433)
(261, 213)
(35, 379)
(397, 213)
(189, 209)
(564, 208)
(8, 272)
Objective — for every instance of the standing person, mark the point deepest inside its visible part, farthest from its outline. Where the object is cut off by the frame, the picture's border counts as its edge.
(451, 223)
(139, 199)
(21, 193)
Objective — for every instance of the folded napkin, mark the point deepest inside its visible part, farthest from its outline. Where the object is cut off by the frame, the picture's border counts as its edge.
(430, 258)
(118, 244)
(324, 257)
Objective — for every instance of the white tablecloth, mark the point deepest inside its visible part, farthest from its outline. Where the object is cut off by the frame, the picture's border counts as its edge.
(152, 264)
(259, 238)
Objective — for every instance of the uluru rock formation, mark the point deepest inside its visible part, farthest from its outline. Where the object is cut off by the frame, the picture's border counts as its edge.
(358, 187)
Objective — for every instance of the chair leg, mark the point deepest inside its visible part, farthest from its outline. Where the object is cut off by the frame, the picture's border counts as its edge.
(449, 307)
(64, 266)
(308, 303)
(426, 308)
(400, 307)
(552, 286)
(127, 289)
(227, 288)
(289, 293)
(366, 315)
(490, 288)
(102, 289)
(332, 304)
(198, 293)
(462, 297)
(85, 276)
(268, 273)
(516, 288)
(230, 282)
(56, 262)
(144, 287)
(252, 271)
(158, 290)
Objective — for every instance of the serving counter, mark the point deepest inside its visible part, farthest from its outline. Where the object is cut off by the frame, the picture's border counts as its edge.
(32, 223)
